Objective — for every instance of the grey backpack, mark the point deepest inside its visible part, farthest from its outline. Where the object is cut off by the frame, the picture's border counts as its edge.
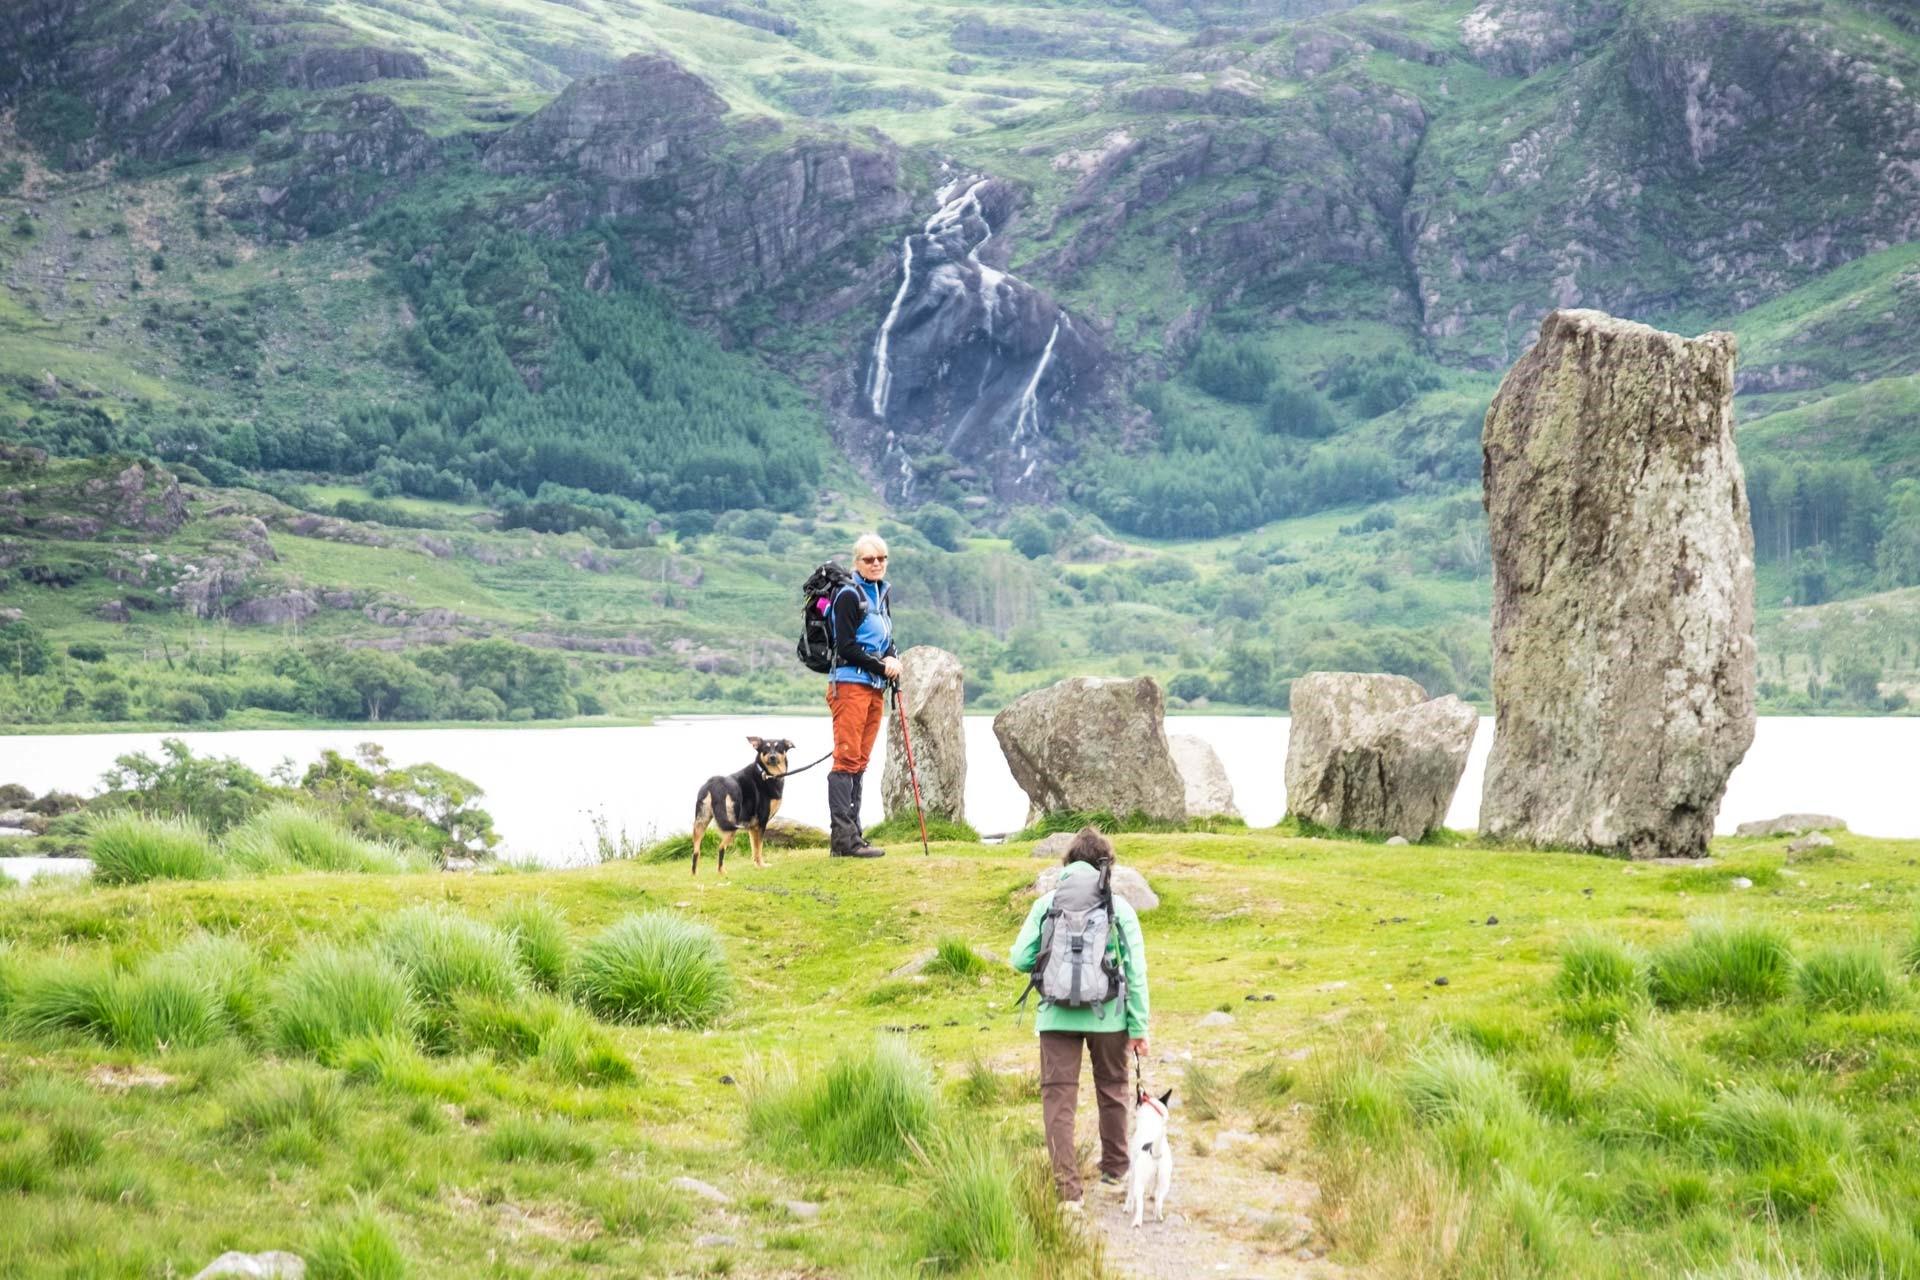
(1073, 969)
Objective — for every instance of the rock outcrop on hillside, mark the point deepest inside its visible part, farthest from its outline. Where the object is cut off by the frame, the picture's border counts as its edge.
(933, 686)
(1089, 745)
(1373, 753)
(1623, 650)
(651, 143)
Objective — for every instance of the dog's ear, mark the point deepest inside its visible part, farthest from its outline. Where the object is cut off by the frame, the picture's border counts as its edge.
(756, 743)
(1165, 1097)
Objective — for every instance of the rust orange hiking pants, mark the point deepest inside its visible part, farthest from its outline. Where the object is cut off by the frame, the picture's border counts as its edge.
(857, 712)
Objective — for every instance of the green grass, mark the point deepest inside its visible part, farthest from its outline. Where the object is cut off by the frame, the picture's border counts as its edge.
(1849, 979)
(288, 837)
(539, 933)
(956, 958)
(446, 955)
(128, 848)
(327, 996)
(658, 969)
(359, 1246)
(1722, 963)
(870, 1106)
(1452, 1131)
(905, 829)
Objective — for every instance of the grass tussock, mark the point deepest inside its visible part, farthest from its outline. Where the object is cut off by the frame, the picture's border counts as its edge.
(869, 1107)
(1594, 967)
(288, 837)
(1750, 963)
(328, 996)
(446, 955)
(291, 1099)
(539, 933)
(358, 1246)
(955, 958)
(656, 969)
(568, 1045)
(529, 1140)
(130, 848)
(158, 1007)
(1848, 979)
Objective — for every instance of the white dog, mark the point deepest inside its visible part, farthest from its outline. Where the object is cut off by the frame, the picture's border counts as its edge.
(1152, 1157)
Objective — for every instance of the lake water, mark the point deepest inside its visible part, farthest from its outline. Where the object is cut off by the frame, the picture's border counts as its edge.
(544, 786)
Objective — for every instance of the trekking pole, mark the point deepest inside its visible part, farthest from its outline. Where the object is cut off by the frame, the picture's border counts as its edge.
(906, 740)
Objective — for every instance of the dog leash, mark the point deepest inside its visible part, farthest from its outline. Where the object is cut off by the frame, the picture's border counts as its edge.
(803, 768)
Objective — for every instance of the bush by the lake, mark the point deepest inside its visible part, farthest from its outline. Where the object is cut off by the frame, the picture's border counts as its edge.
(868, 1107)
(129, 848)
(1723, 964)
(656, 968)
(288, 837)
(327, 996)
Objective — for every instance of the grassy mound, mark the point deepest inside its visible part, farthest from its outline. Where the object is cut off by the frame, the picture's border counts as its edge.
(328, 996)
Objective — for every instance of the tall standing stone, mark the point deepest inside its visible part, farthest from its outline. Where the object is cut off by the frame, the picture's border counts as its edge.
(1623, 652)
(1088, 745)
(1209, 790)
(933, 685)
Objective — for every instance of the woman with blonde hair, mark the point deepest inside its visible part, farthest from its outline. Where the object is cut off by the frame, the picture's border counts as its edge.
(865, 662)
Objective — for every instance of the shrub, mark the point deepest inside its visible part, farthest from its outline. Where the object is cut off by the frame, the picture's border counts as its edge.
(1847, 979)
(656, 969)
(326, 997)
(356, 1247)
(1723, 964)
(956, 958)
(539, 933)
(127, 848)
(869, 1107)
(290, 838)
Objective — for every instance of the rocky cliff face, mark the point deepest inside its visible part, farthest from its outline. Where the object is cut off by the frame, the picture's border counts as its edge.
(1720, 155)
(717, 208)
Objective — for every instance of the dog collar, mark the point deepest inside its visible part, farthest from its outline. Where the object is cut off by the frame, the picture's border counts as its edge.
(1148, 1100)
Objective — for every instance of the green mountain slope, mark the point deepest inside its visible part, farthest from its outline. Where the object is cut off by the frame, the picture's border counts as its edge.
(616, 269)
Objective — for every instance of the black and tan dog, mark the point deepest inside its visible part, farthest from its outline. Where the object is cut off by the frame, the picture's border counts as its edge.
(747, 799)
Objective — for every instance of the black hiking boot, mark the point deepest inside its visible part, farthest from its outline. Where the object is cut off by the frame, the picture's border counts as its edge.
(844, 818)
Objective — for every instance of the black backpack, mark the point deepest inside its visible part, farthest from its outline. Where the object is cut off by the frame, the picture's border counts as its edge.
(816, 615)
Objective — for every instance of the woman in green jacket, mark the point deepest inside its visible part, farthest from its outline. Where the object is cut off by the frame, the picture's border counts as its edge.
(1111, 1035)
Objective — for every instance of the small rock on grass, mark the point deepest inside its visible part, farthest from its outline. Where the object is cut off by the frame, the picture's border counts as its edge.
(1813, 841)
(1217, 1019)
(715, 1240)
(273, 1265)
(1741, 882)
(705, 1190)
(1396, 842)
(805, 1210)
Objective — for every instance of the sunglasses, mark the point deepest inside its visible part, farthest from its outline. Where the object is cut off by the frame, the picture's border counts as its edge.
(873, 559)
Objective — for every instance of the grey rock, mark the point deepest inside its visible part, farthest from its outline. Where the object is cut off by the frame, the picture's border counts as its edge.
(1054, 846)
(1127, 883)
(716, 1240)
(932, 685)
(1209, 793)
(705, 1190)
(1398, 841)
(1623, 650)
(1741, 882)
(1374, 753)
(1813, 840)
(1791, 824)
(805, 1210)
(1093, 744)
(273, 1265)
(1217, 1019)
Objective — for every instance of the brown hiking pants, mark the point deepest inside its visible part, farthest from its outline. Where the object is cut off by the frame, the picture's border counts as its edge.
(858, 710)
(1060, 1097)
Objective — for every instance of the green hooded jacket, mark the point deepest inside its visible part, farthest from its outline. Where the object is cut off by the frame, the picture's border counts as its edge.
(1124, 938)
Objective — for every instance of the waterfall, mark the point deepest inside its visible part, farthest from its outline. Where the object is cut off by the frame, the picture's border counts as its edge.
(1030, 398)
(953, 212)
(880, 376)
